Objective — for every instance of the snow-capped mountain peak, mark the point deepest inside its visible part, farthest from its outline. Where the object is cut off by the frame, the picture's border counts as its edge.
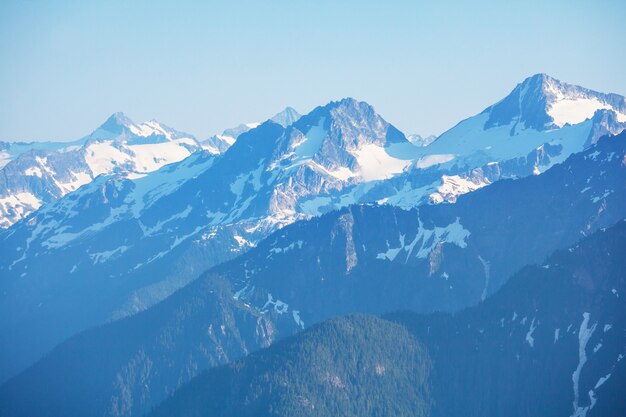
(217, 144)
(346, 139)
(118, 145)
(286, 117)
(121, 128)
(542, 102)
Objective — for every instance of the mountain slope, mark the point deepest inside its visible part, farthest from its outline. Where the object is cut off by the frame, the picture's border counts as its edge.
(506, 140)
(351, 261)
(540, 110)
(551, 342)
(348, 366)
(129, 242)
(224, 330)
(441, 257)
(176, 223)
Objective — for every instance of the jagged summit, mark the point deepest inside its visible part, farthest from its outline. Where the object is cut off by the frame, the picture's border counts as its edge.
(116, 123)
(286, 117)
(217, 144)
(346, 139)
(542, 102)
(121, 127)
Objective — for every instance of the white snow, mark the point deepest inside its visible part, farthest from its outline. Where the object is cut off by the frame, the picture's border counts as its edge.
(243, 292)
(475, 146)
(593, 155)
(149, 231)
(576, 110)
(242, 241)
(5, 158)
(453, 233)
(408, 197)
(454, 185)
(584, 334)
(435, 159)
(377, 164)
(288, 248)
(529, 336)
(103, 157)
(601, 381)
(252, 177)
(487, 268)
(16, 206)
(78, 180)
(152, 156)
(312, 141)
(279, 306)
(603, 196)
(313, 206)
(391, 253)
(102, 257)
(297, 319)
(33, 172)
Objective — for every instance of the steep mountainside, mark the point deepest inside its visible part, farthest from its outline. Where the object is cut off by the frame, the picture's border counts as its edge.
(349, 366)
(441, 257)
(371, 259)
(223, 328)
(129, 240)
(550, 342)
(176, 223)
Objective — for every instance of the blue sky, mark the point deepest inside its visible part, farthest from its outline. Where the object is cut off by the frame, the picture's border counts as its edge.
(201, 67)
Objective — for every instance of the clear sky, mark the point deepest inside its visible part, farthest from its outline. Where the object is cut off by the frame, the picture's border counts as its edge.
(200, 67)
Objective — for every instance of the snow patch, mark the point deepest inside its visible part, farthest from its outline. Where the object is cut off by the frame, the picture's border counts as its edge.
(279, 306)
(576, 110)
(297, 319)
(102, 257)
(584, 335)
(428, 238)
(377, 164)
(529, 336)
(288, 248)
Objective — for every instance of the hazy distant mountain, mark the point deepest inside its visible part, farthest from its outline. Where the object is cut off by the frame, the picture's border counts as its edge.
(51, 170)
(419, 140)
(220, 143)
(371, 259)
(130, 240)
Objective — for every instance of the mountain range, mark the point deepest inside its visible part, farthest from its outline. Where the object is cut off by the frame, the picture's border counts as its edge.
(369, 259)
(551, 342)
(295, 220)
(42, 172)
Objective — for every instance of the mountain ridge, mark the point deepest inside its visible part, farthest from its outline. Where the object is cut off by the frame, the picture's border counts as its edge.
(369, 258)
(136, 238)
